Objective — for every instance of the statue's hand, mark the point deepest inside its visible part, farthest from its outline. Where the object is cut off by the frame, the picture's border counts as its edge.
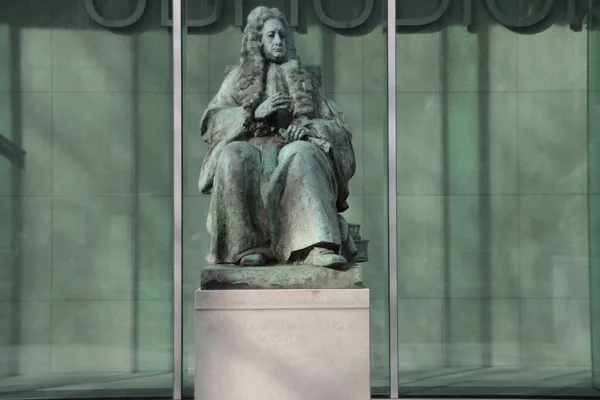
(294, 132)
(272, 105)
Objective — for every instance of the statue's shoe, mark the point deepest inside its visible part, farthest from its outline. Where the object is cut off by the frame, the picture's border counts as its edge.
(253, 260)
(321, 257)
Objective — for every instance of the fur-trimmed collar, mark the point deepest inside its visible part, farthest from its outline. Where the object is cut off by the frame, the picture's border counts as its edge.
(303, 86)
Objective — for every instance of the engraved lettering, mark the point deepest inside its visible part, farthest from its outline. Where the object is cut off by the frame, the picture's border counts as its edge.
(364, 15)
(295, 338)
(294, 19)
(571, 12)
(140, 7)
(281, 326)
(281, 338)
(429, 19)
(270, 339)
(217, 10)
(576, 11)
(516, 22)
(238, 10)
(467, 12)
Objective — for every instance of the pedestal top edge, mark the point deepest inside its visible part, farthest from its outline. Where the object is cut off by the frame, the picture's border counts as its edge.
(281, 299)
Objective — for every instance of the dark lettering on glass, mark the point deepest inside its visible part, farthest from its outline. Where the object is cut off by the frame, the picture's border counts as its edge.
(90, 8)
(217, 11)
(517, 22)
(364, 15)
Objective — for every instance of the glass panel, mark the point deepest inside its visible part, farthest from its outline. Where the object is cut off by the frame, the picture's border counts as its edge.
(352, 66)
(85, 200)
(594, 182)
(492, 196)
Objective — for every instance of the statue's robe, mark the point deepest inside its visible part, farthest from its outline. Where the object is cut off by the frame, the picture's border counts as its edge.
(270, 196)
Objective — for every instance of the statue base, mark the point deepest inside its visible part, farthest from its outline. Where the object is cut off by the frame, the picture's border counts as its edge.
(294, 344)
(220, 277)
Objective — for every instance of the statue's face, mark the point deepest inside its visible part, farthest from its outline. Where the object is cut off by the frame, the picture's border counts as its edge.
(273, 40)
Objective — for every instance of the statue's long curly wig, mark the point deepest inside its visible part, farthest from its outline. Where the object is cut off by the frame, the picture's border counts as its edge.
(252, 79)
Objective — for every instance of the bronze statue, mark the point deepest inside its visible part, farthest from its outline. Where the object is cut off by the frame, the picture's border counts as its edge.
(280, 158)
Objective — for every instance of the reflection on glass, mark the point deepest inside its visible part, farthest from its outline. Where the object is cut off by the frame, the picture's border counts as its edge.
(492, 184)
(352, 64)
(85, 237)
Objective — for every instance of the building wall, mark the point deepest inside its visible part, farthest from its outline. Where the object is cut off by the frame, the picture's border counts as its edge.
(492, 191)
(86, 243)
(492, 183)
(594, 184)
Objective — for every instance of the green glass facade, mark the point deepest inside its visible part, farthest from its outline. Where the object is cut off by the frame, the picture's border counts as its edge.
(496, 278)
(493, 201)
(86, 293)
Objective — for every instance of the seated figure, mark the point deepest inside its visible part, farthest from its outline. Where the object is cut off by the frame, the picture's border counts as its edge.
(280, 158)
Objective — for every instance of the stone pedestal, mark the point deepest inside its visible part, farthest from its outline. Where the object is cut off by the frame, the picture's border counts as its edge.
(296, 344)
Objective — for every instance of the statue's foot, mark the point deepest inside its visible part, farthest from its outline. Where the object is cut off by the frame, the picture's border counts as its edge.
(253, 260)
(321, 257)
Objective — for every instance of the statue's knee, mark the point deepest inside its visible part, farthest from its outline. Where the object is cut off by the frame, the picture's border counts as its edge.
(236, 153)
(299, 147)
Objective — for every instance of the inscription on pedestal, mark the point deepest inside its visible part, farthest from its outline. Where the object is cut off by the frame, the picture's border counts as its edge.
(334, 326)
(281, 332)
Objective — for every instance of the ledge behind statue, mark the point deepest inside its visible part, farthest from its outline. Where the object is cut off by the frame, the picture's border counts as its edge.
(280, 158)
